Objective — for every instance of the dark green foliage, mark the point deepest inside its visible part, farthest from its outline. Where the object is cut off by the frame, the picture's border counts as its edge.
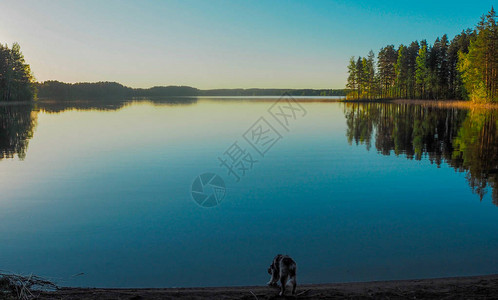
(56, 89)
(386, 63)
(402, 72)
(161, 91)
(479, 65)
(272, 92)
(459, 44)
(68, 91)
(465, 67)
(412, 53)
(16, 79)
(417, 71)
(17, 124)
(96, 90)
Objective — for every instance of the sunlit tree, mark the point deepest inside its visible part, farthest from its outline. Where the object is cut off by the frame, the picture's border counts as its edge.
(17, 82)
(479, 66)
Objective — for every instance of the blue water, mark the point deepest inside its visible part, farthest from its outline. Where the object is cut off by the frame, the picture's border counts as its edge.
(107, 193)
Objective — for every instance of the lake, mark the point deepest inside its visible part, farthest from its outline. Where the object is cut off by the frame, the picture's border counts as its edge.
(206, 191)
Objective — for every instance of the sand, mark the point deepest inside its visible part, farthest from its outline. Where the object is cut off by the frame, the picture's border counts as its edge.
(476, 287)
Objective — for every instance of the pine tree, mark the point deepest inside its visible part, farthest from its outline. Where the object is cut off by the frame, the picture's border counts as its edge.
(360, 77)
(442, 68)
(352, 78)
(386, 62)
(479, 66)
(422, 73)
(369, 72)
(412, 62)
(16, 79)
(465, 67)
(460, 43)
(402, 72)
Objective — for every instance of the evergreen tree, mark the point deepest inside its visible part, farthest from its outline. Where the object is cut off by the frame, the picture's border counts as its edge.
(442, 68)
(360, 77)
(479, 66)
(412, 52)
(460, 43)
(402, 72)
(352, 78)
(369, 70)
(386, 62)
(422, 73)
(466, 67)
(16, 80)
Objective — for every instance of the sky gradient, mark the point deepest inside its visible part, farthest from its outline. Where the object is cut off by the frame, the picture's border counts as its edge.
(219, 44)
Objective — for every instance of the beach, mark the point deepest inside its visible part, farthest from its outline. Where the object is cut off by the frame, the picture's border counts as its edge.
(474, 287)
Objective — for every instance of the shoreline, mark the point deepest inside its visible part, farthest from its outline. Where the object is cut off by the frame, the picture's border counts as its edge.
(466, 104)
(463, 104)
(469, 287)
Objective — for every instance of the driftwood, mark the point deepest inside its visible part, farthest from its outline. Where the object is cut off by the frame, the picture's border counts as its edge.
(14, 286)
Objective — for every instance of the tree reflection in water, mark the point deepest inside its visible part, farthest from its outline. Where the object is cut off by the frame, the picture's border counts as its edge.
(18, 121)
(467, 140)
(17, 124)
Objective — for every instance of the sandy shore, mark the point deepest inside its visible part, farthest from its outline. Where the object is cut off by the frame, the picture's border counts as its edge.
(476, 287)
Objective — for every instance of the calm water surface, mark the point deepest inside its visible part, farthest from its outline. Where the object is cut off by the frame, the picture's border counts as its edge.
(353, 192)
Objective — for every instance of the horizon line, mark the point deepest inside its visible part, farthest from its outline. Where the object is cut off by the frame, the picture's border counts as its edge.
(202, 89)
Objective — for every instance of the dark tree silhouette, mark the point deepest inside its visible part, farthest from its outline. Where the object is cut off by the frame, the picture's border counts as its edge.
(16, 79)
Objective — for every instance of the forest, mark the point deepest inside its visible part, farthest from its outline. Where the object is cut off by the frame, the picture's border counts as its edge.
(465, 68)
(274, 92)
(60, 90)
(111, 90)
(17, 83)
(16, 79)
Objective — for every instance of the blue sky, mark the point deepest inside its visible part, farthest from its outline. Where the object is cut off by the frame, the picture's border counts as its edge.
(216, 44)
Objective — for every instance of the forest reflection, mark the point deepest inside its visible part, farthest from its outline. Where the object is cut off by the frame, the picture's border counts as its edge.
(467, 140)
(17, 125)
(58, 106)
(18, 122)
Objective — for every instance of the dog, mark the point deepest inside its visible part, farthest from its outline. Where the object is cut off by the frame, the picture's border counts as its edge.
(283, 268)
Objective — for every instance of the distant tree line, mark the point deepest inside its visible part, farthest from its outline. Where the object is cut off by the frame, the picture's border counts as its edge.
(112, 90)
(17, 83)
(464, 68)
(16, 79)
(273, 92)
(60, 90)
